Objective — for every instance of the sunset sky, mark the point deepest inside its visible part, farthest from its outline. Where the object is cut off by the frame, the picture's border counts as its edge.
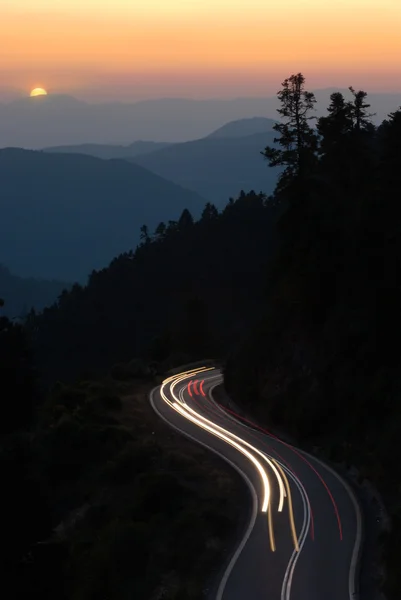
(104, 49)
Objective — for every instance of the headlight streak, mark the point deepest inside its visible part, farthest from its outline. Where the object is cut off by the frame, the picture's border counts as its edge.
(187, 412)
(252, 433)
(179, 408)
(271, 528)
(275, 465)
(235, 437)
(265, 457)
(298, 453)
(211, 428)
(287, 582)
(290, 509)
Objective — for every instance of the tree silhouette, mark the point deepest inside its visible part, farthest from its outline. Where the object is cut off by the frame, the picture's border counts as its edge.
(185, 221)
(297, 139)
(360, 117)
(144, 236)
(336, 125)
(160, 231)
(210, 212)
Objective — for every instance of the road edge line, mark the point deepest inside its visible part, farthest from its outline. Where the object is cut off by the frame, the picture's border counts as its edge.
(241, 545)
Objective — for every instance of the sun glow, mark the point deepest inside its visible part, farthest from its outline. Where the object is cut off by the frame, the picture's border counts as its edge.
(38, 92)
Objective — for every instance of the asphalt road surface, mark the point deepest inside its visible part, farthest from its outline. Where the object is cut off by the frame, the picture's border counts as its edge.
(304, 535)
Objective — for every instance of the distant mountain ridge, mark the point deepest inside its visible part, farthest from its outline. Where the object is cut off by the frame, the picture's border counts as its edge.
(242, 128)
(107, 151)
(216, 167)
(232, 129)
(63, 215)
(56, 120)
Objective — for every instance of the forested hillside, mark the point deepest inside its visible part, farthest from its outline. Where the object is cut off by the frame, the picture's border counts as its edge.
(189, 290)
(323, 361)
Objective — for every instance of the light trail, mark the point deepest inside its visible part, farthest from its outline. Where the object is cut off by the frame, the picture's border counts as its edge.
(242, 441)
(282, 460)
(210, 426)
(290, 509)
(301, 456)
(179, 408)
(271, 529)
(212, 429)
(181, 403)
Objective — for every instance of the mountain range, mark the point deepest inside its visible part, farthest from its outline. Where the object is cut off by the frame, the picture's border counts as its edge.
(63, 215)
(217, 167)
(59, 119)
(107, 151)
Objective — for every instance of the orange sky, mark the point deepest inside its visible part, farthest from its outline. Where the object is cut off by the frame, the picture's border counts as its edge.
(198, 47)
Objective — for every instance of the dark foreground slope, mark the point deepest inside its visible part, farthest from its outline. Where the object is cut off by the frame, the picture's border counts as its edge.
(323, 361)
(64, 215)
(99, 498)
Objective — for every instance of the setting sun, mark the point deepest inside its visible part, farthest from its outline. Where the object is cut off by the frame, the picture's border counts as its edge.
(38, 92)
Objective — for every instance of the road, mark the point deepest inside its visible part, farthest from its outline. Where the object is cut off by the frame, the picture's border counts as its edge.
(304, 535)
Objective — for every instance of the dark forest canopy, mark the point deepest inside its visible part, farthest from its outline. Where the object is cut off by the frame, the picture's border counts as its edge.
(323, 360)
(188, 289)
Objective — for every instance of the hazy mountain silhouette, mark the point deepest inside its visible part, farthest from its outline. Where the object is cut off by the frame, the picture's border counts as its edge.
(243, 127)
(59, 120)
(107, 151)
(238, 128)
(20, 294)
(216, 167)
(63, 215)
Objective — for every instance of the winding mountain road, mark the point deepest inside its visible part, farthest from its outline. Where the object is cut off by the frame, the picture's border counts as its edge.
(304, 535)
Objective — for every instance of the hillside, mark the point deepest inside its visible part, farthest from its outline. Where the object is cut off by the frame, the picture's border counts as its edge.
(107, 151)
(83, 470)
(190, 288)
(242, 128)
(20, 295)
(216, 167)
(64, 215)
(323, 360)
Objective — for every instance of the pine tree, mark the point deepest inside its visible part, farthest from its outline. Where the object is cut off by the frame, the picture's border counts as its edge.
(160, 231)
(185, 221)
(297, 139)
(210, 212)
(336, 125)
(360, 117)
(145, 238)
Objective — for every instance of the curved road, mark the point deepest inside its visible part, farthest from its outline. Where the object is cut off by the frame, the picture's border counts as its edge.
(304, 535)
